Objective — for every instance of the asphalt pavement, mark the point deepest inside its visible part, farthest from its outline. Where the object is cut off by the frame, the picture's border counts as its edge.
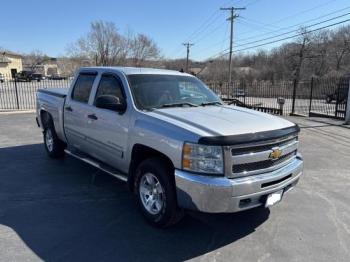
(65, 210)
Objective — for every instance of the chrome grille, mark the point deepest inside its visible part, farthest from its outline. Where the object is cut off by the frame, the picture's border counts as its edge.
(261, 165)
(255, 149)
(251, 159)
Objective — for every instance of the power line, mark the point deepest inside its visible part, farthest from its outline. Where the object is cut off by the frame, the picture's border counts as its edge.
(290, 37)
(252, 3)
(295, 25)
(204, 26)
(254, 27)
(212, 31)
(293, 31)
(297, 14)
(213, 16)
(221, 42)
(204, 29)
(223, 53)
(303, 12)
(308, 26)
(260, 24)
(225, 37)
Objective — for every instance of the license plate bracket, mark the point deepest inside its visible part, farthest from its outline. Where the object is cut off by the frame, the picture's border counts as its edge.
(274, 198)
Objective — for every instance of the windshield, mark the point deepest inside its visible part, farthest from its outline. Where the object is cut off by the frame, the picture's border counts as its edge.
(161, 91)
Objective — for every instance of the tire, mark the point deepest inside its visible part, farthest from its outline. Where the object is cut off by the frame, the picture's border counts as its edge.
(53, 145)
(154, 184)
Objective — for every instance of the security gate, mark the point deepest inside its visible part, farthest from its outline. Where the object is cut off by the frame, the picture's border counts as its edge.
(328, 97)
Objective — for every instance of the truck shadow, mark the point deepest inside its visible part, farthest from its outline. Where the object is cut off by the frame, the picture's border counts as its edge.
(57, 210)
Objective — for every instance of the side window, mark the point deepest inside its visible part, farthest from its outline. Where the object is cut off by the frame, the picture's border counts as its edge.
(82, 88)
(109, 85)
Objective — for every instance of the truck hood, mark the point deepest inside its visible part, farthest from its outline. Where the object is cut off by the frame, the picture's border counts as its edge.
(220, 120)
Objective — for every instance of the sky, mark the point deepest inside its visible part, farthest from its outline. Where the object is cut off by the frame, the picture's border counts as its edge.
(51, 26)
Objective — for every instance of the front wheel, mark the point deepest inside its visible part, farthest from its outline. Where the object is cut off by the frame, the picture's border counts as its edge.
(53, 145)
(156, 196)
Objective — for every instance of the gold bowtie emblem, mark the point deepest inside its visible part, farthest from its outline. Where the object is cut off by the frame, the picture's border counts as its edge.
(275, 154)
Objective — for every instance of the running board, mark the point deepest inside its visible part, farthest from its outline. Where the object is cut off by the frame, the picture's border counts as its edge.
(95, 163)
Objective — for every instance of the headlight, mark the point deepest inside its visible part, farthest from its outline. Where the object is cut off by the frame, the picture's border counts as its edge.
(203, 158)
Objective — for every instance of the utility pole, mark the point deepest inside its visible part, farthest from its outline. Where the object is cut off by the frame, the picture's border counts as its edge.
(188, 45)
(232, 17)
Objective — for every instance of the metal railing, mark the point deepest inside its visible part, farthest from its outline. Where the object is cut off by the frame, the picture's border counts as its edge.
(323, 97)
(317, 96)
(16, 94)
(274, 97)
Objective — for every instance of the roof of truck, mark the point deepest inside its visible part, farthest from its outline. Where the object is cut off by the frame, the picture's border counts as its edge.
(137, 70)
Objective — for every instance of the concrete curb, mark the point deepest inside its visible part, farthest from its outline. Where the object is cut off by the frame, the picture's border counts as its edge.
(16, 112)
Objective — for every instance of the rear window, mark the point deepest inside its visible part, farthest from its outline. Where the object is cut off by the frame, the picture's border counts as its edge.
(82, 88)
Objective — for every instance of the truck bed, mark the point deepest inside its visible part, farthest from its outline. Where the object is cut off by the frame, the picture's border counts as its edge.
(52, 101)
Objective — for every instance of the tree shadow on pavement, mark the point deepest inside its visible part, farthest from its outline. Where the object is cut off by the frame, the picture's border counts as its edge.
(60, 215)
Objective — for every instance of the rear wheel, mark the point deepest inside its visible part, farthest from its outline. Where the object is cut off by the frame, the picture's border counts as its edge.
(53, 145)
(156, 195)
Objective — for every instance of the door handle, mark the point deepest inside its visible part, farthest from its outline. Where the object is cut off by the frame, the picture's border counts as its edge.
(92, 116)
(68, 108)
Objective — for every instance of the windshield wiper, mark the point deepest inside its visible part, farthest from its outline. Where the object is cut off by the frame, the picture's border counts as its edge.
(211, 103)
(178, 104)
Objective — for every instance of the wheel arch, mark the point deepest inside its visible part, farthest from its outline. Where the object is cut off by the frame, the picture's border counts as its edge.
(140, 153)
(46, 118)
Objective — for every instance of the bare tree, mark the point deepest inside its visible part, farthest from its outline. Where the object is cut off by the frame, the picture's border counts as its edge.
(143, 48)
(34, 59)
(68, 65)
(103, 45)
(340, 46)
(317, 60)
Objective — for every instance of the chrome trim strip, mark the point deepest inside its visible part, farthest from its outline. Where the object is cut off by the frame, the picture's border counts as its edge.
(262, 155)
(286, 149)
(265, 143)
(262, 171)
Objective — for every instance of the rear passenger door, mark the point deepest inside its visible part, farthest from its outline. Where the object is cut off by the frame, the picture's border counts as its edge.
(77, 110)
(108, 132)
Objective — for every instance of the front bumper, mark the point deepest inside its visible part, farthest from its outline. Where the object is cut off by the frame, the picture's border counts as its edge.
(224, 195)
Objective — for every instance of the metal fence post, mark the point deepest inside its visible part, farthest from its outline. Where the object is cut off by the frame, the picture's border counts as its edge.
(294, 94)
(311, 89)
(228, 89)
(347, 110)
(337, 101)
(245, 91)
(16, 93)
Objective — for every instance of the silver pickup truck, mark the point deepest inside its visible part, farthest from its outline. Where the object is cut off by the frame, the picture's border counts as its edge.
(172, 139)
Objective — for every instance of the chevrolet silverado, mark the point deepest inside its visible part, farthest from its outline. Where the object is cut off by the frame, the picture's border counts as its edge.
(172, 139)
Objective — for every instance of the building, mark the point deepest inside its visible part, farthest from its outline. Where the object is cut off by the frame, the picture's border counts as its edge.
(10, 63)
(41, 64)
(45, 69)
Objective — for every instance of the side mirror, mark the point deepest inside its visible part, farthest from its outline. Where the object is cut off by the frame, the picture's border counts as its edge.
(111, 102)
